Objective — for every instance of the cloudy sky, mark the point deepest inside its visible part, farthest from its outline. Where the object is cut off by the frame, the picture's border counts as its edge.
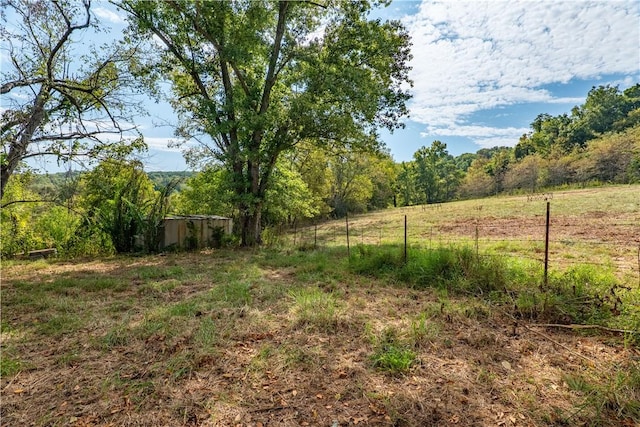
(482, 70)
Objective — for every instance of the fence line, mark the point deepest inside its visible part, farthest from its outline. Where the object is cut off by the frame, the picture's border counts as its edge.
(486, 238)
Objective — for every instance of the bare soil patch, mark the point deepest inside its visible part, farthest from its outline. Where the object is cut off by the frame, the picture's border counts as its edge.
(592, 227)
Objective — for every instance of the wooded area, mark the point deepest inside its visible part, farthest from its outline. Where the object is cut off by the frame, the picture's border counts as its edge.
(282, 124)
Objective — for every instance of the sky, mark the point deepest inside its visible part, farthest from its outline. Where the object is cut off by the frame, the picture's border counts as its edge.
(482, 70)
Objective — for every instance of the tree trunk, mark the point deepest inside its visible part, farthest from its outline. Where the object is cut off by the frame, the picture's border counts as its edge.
(18, 149)
(251, 222)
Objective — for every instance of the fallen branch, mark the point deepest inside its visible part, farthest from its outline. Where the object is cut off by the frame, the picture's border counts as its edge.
(270, 408)
(602, 328)
(547, 337)
(582, 356)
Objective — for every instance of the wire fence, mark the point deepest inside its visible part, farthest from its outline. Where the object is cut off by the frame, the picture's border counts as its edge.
(613, 245)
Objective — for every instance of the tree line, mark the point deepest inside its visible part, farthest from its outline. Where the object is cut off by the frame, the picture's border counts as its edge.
(280, 103)
(598, 142)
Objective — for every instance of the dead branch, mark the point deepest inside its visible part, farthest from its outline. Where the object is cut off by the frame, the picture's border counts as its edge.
(582, 356)
(572, 326)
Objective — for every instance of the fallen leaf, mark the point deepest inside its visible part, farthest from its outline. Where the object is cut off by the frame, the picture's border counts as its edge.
(506, 365)
(18, 391)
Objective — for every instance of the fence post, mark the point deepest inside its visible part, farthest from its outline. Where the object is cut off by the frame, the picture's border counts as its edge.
(546, 247)
(295, 231)
(477, 236)
(405, 239)
(346, 218)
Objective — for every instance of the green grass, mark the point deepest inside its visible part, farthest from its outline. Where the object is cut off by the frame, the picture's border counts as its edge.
(315, 309)
(616, 395)
(581, 294)
(392, 355)
(226, 324)
(158, 272)
(9, 366)
(234, 294)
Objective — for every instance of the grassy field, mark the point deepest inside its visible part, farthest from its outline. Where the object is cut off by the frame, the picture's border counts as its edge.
(600, 226)
(294, 336)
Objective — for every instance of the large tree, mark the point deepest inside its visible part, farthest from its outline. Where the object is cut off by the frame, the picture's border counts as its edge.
(59, 98)
(436, 174)
(251, 79)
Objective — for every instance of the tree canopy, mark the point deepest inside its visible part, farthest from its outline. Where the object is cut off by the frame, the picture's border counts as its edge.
(59, 100)
(252, 79)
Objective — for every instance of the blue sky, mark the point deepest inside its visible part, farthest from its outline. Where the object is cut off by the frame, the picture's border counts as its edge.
(482, 70)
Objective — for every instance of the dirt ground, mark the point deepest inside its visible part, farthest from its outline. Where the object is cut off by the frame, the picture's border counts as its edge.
(591, 228)
(474, 366)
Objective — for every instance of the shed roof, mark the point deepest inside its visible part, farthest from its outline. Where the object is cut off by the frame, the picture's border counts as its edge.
(174, 217)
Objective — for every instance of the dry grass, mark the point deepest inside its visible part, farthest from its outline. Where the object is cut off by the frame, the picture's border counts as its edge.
(289, 338)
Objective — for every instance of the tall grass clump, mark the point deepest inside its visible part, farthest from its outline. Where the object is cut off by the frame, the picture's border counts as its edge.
(585, 294)
(316, 309)
(392, 354)
(454, 269)
(377, 261)
(581, 294)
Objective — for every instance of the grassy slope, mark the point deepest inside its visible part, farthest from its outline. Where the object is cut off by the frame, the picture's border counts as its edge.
(594, 225)
(283, 337)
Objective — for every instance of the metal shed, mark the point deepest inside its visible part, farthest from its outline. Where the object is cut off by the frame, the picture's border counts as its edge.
(194, 231)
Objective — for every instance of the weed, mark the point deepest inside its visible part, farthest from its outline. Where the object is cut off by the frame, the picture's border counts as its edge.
(316, 309)
(9, 366)
(391, 354)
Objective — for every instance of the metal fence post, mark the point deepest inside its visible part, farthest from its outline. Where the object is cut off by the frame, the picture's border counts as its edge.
(405, 239)
(546, 247)
(346, 218)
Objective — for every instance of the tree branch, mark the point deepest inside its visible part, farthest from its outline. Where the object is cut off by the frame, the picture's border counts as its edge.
(9, 86)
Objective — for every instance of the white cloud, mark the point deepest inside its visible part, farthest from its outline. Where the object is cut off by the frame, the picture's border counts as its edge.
(162, 144)
(484, 136)
(474, 56)
(108, 15)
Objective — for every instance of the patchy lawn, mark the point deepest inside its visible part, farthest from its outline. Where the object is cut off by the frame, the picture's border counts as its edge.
(288, 338)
